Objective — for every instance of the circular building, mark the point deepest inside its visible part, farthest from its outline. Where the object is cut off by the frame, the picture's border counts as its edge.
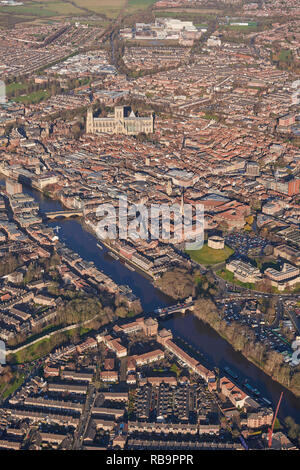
(216, 242)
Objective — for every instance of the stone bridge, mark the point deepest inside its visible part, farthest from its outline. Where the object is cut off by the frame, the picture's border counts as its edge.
(64, 213)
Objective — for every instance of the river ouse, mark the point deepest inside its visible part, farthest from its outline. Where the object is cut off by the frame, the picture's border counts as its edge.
(119, 330)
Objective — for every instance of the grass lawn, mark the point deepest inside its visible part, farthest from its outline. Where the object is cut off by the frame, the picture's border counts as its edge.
(236, 27)
(135, 5)
(2, 387)
(62, 8)
(175, 368)
(17, 86)
(31, 352)
(110, 8)
(285, 55)
(18, 380)
(84, 330)
(209, 256)
(34, 97)
(48, 329)
(188, 14)
(30, 10)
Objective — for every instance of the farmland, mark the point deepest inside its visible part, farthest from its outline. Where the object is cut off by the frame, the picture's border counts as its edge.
(44, 10)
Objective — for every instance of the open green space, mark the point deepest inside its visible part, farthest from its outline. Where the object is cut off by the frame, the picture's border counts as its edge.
(209, 256)
(34, 9)
(135, 5)
(48, 329)
(84, 330)
(31, 352)
(174, 368)
(64, 8)
(34, 97)
(13, 386)
(242, 28)
(41, 9)
(285, 55)
(59, 8)
(16, 86)
(109, 8)
(189, 14)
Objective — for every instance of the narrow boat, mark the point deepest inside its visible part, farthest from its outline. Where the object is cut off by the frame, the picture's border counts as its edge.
(266, 401)
(231, 372)
(129, 266)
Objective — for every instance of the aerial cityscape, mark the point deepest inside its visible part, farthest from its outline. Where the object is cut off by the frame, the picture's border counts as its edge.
(150, 225)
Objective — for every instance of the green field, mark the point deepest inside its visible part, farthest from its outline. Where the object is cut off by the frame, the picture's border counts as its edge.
(33, 9)
(34, 97)
(17, 86)
(209, 256)
(44, 9)
(188, 14)
(285, 55)
(31, 352)
(234, 27)
(109, 8)
(59, 8)
(12, 387)
(135, 5)
(38, 11)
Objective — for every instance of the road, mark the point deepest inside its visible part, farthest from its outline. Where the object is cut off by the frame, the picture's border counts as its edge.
(84, 419)
(294, 320)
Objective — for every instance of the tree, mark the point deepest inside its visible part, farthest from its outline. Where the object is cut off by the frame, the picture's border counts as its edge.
(121, 312)
(293, 428)
(177, 283)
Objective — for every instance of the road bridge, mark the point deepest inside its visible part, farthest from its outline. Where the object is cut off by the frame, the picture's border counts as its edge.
(178, 308)
(64, 213)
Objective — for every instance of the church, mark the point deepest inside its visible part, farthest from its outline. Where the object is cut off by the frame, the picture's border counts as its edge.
(124, 121)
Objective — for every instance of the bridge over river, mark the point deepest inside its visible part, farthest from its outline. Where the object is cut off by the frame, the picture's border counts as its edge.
(64, 213)
(187, 305)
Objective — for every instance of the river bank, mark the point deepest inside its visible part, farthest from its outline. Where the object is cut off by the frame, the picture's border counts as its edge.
(215, 349)
(91, 230)
(293, 390)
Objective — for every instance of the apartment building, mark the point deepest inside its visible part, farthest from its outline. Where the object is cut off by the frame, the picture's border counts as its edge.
(232, 392)
(259, 419)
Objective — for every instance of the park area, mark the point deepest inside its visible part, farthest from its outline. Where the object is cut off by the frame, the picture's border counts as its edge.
(209, 256)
